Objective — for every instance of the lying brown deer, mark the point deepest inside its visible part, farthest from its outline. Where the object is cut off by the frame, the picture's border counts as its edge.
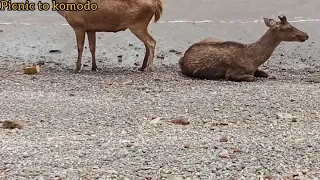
(114, 16)
(214, 59)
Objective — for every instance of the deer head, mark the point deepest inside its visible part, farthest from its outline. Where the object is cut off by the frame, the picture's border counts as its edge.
(284, 30)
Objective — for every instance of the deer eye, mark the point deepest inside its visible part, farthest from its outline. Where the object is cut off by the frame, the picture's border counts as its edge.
(290, 29)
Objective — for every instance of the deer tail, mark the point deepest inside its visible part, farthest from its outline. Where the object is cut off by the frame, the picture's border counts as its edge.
(159, 9)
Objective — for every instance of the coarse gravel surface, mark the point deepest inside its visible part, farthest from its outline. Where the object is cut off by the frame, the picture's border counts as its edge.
(98, 125)
(116, 123)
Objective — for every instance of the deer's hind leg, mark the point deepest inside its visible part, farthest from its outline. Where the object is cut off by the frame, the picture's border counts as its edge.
(245, 77)
(141, 32)
(239, 76)
(80, 36)
(261, 73)
(92, 46)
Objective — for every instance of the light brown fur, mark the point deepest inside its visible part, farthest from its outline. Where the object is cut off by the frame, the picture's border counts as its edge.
(215, 59)
(114, 16)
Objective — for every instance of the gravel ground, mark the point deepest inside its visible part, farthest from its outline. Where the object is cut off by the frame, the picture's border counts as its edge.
(117, 123)
(98, 125)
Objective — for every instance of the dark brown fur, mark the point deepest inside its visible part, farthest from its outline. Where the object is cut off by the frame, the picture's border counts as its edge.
(114, 16)
(215, 59)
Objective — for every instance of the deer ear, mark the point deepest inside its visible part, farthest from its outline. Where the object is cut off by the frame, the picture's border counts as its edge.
(270, 22)
(283, 18)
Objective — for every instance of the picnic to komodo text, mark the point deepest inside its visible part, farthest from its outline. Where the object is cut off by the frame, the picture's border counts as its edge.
(44, 6)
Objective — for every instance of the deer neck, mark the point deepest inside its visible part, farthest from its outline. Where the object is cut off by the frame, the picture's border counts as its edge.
(261, 50)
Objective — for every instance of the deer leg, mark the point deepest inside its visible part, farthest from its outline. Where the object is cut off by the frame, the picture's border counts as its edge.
(149, 42)
(261, 73)
(92, 46)
(145, 60)
(239, 78)
(80, 35)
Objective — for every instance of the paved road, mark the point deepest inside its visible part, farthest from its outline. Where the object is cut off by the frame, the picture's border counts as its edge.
(28, 36)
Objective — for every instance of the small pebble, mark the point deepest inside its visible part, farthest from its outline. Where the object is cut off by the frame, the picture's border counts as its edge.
(268, 177)
(11, 124)
(129, 145)
(180, 121)
(223, 139)
(224, 154)
(54, 51)
(236, 150)
(304, 171)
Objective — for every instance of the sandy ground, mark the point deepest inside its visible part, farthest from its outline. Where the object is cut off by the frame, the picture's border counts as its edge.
(98, 125)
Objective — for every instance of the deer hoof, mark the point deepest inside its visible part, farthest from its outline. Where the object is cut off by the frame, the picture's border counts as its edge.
(150, 69)
(141, 68)
(77, 70)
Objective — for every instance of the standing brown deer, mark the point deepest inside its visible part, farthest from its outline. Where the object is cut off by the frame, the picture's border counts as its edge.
(114, 16)
(214, 59)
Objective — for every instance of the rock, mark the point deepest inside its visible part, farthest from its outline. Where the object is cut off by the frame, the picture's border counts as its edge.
(180, 121)
(1, 30)
(220, 124)
(120, 58)
(224, 154)
(236, 150)
(186, 146)
(174, 177)
(314, 79)
(54, 51)
(174, 51)
(304, 171)
(41, 62)
(295, 175)
(267, 177)
(111, 171)
(129, 82)
(129, 145)
(303, 59)
(288, 178)
(155, 120)
(160, 56)
(272, 77)
(8, 124)
(60, 177)
(223, 139)
(285, 116)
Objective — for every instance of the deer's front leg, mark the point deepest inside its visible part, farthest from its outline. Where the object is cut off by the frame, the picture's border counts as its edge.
(261, 73)
(239, 75)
